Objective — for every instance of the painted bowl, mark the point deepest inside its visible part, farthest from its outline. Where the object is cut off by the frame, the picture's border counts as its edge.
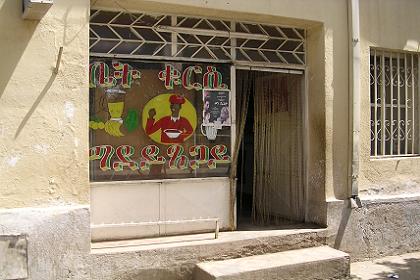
(172, 133)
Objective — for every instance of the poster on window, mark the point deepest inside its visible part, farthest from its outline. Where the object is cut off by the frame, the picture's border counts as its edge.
(146, 118)
(216, 109)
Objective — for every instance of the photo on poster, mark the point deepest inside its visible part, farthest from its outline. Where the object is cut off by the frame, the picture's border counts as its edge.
(216, 107)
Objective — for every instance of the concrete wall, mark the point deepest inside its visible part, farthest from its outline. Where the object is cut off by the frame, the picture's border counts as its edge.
(58, 241)
(58, 247)
(380, 227)
(395, 25)
(43, 116)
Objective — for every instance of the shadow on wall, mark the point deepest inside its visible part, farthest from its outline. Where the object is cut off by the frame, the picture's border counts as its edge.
(15, 35)
(27, 28)
(345, 216)
(35, 105)
(68, 39)
(409, 269)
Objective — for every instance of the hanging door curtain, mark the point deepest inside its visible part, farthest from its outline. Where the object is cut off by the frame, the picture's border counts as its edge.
(278, 192)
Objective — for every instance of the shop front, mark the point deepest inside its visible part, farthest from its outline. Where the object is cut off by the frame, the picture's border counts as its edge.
(195, 124)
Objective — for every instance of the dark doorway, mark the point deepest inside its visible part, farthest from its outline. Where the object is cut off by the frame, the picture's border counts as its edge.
(246, 168)
(270, 186)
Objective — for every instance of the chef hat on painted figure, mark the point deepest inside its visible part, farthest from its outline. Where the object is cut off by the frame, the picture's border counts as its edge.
(177, 99)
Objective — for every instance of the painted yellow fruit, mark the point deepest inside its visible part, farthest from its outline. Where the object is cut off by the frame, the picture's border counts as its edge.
(94, 125)
(113, 128)
(101, 125)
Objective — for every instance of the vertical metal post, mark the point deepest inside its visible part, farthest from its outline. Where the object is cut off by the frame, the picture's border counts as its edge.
(233, 197)
(233, 104)
(355, 94)
(418, 97)
(174, 37)
(233, 140)
(376, 103)
(392, 104)
(413, 117)
(305, 98)
(216, 231)
(233, 41)
(383, 106)
(399, 105)
(406, 105)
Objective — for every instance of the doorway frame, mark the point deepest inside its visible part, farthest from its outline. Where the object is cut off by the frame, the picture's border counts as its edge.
(305, 123)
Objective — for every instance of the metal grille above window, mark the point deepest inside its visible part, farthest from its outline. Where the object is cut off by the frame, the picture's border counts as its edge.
(394, 103)
(121, 34)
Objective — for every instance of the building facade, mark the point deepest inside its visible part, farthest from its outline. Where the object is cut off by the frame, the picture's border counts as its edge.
(136, 119)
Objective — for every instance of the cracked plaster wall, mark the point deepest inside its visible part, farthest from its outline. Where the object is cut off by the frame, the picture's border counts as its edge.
(43, 116)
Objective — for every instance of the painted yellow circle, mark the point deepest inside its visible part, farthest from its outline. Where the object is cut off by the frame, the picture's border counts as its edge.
(162, 106)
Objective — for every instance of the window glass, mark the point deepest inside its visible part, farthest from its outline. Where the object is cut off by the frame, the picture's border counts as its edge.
(156, 120)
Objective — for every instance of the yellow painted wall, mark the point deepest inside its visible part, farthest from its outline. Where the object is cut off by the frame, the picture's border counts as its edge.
(393, 24)
(43, 117)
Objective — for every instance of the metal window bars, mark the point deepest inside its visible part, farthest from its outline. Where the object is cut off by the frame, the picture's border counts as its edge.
(394, 103)
(146, 36)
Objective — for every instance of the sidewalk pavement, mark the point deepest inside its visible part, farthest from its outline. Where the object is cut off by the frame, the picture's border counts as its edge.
(403, 267)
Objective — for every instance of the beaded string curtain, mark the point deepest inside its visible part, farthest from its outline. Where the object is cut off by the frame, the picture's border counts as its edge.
(278, 192)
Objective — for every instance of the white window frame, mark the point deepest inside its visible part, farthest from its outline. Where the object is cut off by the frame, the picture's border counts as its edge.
(239, 42)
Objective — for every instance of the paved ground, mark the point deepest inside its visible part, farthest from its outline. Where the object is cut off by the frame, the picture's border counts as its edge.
(403, 267)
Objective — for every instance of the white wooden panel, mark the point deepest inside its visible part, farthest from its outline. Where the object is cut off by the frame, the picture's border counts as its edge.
(122, 203)
(124, 232)
(193, 200)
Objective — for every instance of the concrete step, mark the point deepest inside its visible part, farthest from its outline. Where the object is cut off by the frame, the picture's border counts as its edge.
(178, 255)
(309, 263)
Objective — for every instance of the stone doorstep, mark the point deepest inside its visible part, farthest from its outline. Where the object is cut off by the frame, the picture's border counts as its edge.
(310, 263)
(207, 239)
(175, 257)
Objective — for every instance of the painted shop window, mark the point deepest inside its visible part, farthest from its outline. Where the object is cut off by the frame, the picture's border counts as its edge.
(394, 103)
(152, 120)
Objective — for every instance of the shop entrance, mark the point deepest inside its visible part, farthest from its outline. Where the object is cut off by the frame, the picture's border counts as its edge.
(270, 186)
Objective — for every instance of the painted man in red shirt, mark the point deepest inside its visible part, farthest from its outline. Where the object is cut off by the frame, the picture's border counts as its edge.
(174, 128)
